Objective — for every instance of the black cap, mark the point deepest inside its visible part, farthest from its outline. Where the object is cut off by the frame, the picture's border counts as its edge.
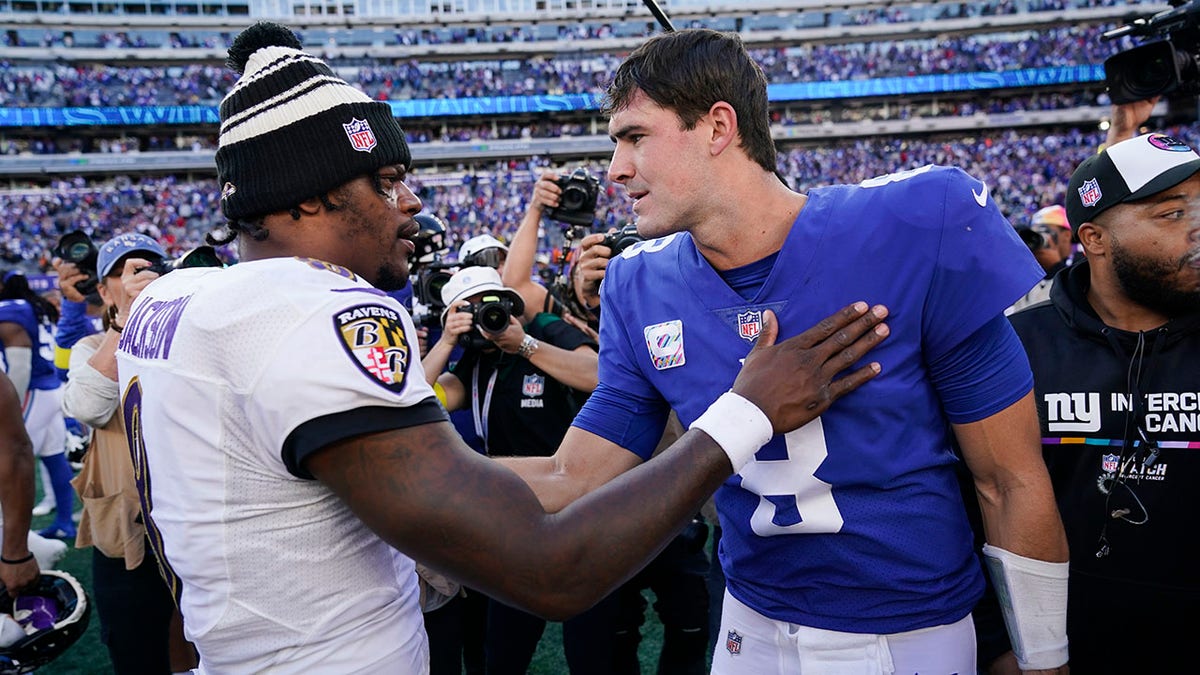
(1126, 172)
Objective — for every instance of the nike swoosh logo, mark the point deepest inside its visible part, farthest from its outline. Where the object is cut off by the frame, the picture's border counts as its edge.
(981, 196)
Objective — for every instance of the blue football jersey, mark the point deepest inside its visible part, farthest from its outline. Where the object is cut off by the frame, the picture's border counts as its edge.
(853, 522)
(42, 375)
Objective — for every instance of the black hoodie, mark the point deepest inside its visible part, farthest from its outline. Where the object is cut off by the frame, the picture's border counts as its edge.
(1102, 393)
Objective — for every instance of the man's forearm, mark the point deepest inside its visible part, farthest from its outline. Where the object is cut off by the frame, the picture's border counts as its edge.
(578, 369)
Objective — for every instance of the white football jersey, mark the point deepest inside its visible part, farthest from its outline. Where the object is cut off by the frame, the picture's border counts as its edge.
(229, 377)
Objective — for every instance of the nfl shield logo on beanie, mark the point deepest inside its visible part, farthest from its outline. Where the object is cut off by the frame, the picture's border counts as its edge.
(360, 135)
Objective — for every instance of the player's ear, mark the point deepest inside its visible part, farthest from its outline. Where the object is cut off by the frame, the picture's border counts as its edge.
(723, 120)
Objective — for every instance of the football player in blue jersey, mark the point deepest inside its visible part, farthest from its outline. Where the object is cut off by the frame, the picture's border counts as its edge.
(26, 328)
(845, 543)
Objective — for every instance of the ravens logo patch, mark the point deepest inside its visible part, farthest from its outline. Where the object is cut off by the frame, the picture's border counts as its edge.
(373, 336)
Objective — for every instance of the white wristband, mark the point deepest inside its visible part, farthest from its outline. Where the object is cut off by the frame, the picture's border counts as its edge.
(737, 425)
(1033, 598)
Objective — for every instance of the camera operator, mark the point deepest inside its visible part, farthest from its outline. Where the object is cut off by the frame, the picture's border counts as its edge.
(428, 272)
(523, 385)
(517, 272)
(140, 625)
(455, 618)
(74, 262)
(1048, 236)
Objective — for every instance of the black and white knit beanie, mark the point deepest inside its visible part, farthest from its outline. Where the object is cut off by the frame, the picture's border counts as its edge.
(291, 130)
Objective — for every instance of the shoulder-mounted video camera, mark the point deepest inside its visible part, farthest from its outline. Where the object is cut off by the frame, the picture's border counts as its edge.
(427, 292)
(577, 203)
(1169, 64)
(427, 272)
(78, 249)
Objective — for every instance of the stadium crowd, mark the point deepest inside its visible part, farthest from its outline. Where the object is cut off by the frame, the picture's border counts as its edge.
(1026, 170)
(66, 84)
(544, 31)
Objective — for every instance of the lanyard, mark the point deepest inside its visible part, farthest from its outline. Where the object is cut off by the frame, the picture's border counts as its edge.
(481, 416)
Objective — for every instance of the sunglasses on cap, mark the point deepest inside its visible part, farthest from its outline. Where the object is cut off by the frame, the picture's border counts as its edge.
(488, 257)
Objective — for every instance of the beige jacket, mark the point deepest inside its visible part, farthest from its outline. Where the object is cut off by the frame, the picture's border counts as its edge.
(112, 511)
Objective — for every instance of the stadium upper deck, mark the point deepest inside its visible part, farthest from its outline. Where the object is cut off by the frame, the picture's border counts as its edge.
(113, 31)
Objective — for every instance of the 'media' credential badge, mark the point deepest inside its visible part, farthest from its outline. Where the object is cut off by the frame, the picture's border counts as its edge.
(374, 338)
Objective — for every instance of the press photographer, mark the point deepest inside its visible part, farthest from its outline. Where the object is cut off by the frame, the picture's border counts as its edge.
(428, 272)
(570, 200)
(523, 382)
(77, 249)
(1048, 236)
(201, 256)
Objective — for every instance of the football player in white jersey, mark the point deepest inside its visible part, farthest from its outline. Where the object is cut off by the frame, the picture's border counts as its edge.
(288, 448)
(845, 544)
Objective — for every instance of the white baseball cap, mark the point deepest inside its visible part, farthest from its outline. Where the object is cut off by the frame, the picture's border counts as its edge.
(479, 243)
(474, 280)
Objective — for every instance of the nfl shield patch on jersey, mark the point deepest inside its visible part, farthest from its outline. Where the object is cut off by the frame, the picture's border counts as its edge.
(373, 336)
(750, 324)
(733, 642)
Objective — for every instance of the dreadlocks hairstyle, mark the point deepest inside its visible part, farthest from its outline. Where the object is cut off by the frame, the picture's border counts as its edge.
(16, 287)
(687, 71)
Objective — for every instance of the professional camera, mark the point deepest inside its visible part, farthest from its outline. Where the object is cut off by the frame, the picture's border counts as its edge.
(1035, 238)
(427, 293)
(490, 315)
(1170, 64)
(622, 239)
(577, 204)
(77, 248)
(201, 256)
(427, 272)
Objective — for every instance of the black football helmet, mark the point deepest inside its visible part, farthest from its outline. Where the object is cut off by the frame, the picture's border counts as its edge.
(430, 240)
(54, 615)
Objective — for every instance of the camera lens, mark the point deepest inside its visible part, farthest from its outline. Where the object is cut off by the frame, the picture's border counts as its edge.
(1035, 240)
(431, 287)
(493, 317)
(77, 251)
(573, 198)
